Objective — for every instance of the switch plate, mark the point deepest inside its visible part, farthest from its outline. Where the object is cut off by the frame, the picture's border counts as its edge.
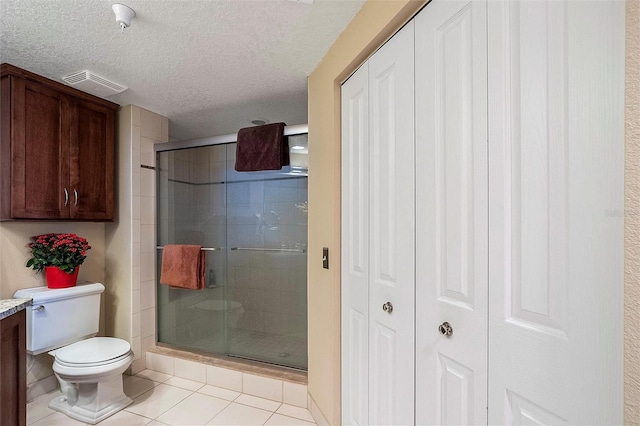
(325, 257)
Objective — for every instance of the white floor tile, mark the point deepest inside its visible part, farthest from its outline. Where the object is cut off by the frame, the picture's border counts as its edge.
(179, 401)
(237, 414)
(134, 386)
(39, 407)
(197, 409)
(58, 419)
(254, 401)
(156, 376)
(158, 400)
(227, 394)
(280, 420)
(184, 383)
(125, 418)
(297, 412)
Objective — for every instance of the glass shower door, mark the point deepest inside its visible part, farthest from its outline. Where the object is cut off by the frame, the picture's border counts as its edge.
(255, 226)
(267, 263)
(192, 210)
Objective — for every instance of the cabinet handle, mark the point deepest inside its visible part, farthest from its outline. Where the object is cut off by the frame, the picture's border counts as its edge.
(75, 193)
(66, 197)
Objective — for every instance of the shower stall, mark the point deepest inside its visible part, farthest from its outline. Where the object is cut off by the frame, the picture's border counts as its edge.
(253, 227)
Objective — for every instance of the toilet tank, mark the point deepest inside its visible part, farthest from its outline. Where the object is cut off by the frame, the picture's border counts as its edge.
(60, 316)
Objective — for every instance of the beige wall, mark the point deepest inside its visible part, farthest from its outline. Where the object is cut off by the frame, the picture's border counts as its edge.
(374, 24)
(370, 28)
(14, 253)
(632, 217)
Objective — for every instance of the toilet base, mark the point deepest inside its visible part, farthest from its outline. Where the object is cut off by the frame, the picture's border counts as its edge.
(91, 402)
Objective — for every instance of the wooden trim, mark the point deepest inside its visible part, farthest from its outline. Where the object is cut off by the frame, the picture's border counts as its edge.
(17, 142)
(8, 69)
(5, 148)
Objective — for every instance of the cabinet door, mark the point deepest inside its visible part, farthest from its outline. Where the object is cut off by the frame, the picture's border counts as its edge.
(378, 237)
(13, 370)
(451, 213)
(556, 85)
(355, 248)
(39, 151)
(392, 231)
(91, 159)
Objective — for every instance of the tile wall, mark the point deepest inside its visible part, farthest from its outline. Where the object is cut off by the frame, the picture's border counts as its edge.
(131, 240)
(274, 389)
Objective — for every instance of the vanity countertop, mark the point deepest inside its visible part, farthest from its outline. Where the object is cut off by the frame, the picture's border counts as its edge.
(9, 307)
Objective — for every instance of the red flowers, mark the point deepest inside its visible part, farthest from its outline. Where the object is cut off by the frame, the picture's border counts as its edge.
(66, 251)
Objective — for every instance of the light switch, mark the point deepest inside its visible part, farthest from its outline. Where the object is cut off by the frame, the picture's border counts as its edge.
(325, 257)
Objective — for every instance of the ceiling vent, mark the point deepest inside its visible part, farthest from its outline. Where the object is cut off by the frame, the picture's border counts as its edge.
(94, 84)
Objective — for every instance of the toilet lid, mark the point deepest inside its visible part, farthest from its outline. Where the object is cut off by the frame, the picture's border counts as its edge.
(96, 350)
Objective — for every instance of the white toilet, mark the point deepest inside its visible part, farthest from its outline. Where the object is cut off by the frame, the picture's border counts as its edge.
(89, 369)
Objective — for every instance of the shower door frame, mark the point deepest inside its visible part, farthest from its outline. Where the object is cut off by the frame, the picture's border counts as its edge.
(298, 129)
(294, 130)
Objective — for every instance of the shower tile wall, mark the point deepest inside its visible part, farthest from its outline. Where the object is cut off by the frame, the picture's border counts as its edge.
(131, 279)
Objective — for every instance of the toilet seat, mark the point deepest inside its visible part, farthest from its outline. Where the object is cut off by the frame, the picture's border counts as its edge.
(94, 352)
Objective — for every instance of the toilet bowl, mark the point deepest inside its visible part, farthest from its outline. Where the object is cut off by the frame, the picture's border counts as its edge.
(90, 376)
(89, 369)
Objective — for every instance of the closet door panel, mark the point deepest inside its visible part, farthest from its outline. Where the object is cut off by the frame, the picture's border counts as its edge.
(355, 248)
(556, 170)
(392, 225)
(451, 213)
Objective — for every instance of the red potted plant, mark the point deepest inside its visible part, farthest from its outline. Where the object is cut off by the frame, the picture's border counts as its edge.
(60, 255)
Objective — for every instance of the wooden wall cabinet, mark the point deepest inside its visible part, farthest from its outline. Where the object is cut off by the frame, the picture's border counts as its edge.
(56, 150)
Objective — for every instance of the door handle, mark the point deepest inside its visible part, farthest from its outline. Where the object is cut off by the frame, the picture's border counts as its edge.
(75, 194)
(387, 307)
(66, 197)
(445, 329)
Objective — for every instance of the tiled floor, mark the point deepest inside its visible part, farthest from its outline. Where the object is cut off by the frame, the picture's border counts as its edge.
(162, 399)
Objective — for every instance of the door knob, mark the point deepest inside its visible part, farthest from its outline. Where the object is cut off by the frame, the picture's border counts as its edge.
(445, 329)
(387, 307)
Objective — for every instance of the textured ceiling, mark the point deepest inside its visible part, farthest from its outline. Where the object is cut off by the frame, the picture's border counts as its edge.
(209, 66)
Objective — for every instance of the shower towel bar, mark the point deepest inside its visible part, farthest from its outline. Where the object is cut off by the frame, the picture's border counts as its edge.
(203, 248)
(268, 249)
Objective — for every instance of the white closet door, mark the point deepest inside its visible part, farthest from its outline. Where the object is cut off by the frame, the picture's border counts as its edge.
(451, 218)
(392, 225)
(355, 249)
(556, 80)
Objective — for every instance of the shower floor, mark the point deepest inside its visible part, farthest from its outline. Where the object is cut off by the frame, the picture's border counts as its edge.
(288, 350)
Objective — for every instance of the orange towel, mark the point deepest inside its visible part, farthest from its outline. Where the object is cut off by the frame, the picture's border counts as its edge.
(183, 266)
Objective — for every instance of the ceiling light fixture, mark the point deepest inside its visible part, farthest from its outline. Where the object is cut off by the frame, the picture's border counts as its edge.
(124, 15)
(297, 147)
